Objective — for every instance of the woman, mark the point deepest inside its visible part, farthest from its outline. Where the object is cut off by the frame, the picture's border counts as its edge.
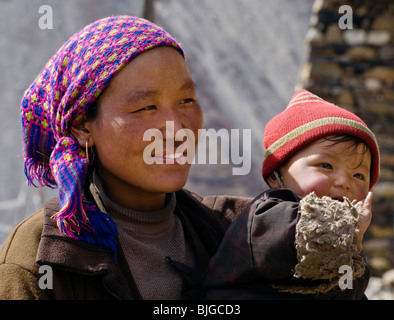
(120, 225)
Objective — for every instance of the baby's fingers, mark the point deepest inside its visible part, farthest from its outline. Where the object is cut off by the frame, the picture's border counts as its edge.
(365, 216)
(368, 201)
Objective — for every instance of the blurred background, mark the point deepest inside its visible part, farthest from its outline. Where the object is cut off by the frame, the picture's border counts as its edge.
(247, 58)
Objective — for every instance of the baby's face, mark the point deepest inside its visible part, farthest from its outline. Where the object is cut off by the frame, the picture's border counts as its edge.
(337, 171)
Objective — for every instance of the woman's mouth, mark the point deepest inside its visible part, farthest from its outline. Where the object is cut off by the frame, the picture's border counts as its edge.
(169, 158)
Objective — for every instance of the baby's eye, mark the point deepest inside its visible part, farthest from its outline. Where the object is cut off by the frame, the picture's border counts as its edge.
(326, 166)
(359, 176)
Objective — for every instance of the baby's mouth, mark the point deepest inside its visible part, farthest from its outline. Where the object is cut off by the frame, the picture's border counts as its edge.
(338, 198)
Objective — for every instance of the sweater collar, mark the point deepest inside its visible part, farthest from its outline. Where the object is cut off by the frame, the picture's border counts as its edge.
(152, 222)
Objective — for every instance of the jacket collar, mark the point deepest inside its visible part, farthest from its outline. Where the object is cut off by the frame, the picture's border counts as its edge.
(64, 253)
(59, 250)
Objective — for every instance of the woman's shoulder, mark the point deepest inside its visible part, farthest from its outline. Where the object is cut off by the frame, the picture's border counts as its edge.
(215, 201)
(225, 208)
(21, 246)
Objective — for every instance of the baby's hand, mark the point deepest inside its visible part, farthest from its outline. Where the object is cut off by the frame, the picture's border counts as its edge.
(365, 215)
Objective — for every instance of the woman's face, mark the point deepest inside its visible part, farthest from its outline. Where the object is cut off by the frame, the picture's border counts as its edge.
(152, 89)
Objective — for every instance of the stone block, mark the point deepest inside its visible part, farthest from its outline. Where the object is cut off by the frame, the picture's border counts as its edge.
(383, 73)
(378, 37)
(325, 71)
(358, 53)
(372, 84)
(383, 22)
(333, 34)
(354, 37)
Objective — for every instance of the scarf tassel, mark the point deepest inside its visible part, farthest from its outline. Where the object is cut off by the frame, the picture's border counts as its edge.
(38, 171)
(87, 223)
(78, 218)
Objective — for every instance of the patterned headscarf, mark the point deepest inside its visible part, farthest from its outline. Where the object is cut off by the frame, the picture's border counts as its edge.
(61, 95)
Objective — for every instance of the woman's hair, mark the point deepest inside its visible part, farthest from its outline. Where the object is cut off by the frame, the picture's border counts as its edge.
(93, 111)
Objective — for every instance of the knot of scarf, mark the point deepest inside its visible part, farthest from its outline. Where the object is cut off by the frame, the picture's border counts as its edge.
(78, 218)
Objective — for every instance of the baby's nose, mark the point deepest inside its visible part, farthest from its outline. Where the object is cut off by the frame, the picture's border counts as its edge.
(342, 181)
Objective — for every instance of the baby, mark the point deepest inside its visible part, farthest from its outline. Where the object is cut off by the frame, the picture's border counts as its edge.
(296, 240)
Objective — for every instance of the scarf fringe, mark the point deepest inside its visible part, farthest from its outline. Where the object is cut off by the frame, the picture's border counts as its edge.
(40, 172)
(85, 222)
(78, 218)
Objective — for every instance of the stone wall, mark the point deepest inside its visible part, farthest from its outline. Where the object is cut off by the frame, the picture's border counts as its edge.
(350, 62)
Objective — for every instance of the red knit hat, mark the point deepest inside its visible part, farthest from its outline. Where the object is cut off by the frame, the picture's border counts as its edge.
(306, 119)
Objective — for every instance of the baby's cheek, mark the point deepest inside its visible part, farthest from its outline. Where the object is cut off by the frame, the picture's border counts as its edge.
(317, 185)
(360, 195)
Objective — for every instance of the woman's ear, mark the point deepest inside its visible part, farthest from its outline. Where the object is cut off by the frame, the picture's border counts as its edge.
(81, 132)
(273, 182)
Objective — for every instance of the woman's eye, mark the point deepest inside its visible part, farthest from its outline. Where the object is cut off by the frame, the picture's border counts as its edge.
(326, 166)
(151, 107)
(189, 100)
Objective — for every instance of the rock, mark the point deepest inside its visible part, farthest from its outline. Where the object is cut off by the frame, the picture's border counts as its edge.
(387, 160)
(379, 263)
(314, 37)
(372, 84)
(388, 94)
(377, 245)
(304, 76)
(381, 109)
(381, 231)
(378, 37)
(319, 5)
(354, 37)
(386, 53)
(358, 53)
(388, 278)
(334, 34)
(387, 174)
(383, 22)
(326, 71)
(384, 190)
(376, 290)
(382, 73)
(346, 98)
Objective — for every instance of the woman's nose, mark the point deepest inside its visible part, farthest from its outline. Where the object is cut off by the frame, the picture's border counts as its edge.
(170, 129)
(171, 123)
